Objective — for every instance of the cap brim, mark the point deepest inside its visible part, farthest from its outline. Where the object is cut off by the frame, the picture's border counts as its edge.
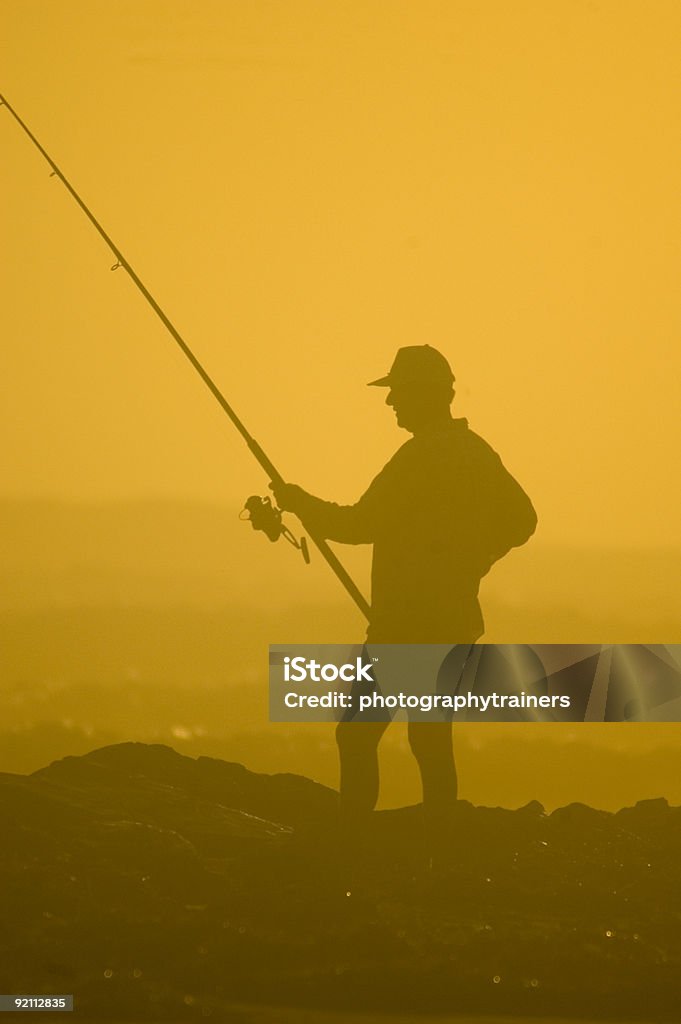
(382, 382)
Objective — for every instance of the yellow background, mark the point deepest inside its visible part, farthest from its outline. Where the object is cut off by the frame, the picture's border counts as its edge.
(305, 187)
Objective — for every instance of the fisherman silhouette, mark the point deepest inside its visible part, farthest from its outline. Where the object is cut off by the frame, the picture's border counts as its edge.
(440, 513)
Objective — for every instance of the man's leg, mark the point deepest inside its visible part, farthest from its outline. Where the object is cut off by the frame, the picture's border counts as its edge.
(431, 744)
(359, 781)
(359, 777)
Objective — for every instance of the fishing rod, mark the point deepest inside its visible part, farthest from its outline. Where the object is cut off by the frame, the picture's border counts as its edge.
(263, 516)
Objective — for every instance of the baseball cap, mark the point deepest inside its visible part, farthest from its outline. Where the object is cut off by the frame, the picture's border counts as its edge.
(416, 364)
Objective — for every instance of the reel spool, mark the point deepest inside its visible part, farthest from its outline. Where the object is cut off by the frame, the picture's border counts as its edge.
(266, 517)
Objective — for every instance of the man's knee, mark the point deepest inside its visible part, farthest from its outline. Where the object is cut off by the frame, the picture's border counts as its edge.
(357, 737)
(430, 741)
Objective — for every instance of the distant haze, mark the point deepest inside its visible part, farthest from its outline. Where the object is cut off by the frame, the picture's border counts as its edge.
(151, 620)
(193, 555)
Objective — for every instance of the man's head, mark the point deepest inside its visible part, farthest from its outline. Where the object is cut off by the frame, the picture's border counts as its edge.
(421, 387)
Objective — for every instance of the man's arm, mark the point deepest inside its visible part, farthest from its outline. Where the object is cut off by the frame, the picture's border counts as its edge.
(349, 524)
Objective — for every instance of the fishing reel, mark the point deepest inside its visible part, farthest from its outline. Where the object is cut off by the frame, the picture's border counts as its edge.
(263, 515)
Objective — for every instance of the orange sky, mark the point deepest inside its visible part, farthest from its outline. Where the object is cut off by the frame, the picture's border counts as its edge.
(307, 186)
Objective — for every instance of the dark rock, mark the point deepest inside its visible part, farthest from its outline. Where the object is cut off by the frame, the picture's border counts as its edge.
(159, 887)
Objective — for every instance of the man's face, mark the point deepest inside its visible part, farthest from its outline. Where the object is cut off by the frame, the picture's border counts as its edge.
(412, 405)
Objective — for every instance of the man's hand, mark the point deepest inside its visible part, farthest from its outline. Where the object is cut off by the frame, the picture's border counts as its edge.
(288, 497)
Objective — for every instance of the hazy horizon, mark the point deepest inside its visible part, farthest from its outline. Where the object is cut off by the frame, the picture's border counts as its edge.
(151, 620)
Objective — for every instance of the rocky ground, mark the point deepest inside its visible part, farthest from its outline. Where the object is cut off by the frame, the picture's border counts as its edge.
(155, 886)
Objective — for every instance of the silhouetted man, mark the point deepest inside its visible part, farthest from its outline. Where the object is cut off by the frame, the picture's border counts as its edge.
(439, 514)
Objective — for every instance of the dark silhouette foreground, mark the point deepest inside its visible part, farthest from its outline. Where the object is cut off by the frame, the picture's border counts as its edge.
(158, 887)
